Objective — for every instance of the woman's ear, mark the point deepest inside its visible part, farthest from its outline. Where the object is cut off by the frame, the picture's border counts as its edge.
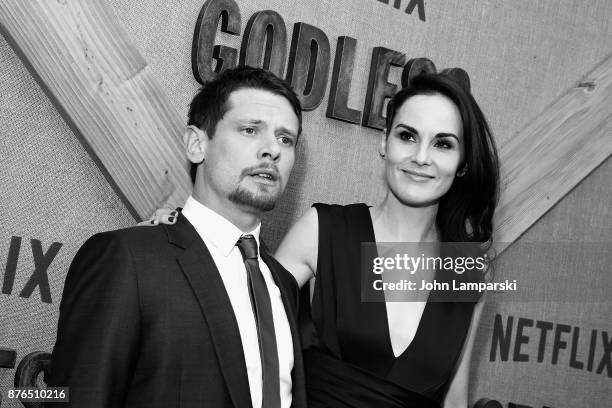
(382, 148)
(463, 170)
(196, 142)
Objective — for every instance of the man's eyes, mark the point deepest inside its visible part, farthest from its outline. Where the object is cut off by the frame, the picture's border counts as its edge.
(249, 130)
(286, 140)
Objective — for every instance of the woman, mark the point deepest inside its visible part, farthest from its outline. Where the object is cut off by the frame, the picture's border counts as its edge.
(441, 173)
(442, 185)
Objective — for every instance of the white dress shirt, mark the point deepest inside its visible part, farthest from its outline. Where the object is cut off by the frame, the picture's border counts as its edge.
(220, 237)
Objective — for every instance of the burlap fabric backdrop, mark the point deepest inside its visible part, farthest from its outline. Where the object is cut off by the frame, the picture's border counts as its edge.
(520, 55)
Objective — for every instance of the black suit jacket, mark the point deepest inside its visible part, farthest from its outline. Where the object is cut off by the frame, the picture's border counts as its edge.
(145, 321)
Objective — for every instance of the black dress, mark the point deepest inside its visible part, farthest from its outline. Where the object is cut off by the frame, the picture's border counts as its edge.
(349, 359)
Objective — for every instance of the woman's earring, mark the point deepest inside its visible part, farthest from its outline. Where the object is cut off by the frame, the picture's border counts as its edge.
(462, 172)
(382, 155)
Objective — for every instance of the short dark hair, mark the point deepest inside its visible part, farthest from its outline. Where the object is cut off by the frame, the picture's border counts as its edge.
(209, 105)
(465, 212)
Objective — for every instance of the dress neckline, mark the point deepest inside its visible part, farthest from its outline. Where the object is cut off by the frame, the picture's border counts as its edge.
(383, 304)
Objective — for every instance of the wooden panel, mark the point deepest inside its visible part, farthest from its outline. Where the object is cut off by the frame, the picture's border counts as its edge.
(554, 152)
(104, 89)
(106, 92)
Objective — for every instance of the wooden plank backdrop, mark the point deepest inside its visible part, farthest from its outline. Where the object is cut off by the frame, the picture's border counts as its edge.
(105, 91)
(103, 87)
(553, 153)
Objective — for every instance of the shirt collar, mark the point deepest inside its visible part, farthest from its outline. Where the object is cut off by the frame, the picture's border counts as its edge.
(213, 227)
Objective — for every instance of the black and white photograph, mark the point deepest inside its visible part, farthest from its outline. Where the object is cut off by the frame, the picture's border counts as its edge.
(305, 204)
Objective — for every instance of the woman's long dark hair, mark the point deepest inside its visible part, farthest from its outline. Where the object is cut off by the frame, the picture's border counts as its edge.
(465, 212)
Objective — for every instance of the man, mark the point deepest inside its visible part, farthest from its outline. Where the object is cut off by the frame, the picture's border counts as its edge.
(192, 314)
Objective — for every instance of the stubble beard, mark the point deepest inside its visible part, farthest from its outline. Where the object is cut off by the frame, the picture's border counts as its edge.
(261, 202)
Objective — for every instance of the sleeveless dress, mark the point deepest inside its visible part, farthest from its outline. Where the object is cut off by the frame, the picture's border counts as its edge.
(349, 359)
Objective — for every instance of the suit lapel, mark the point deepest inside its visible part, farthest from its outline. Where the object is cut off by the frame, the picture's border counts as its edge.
(203, 276)
(289, 292)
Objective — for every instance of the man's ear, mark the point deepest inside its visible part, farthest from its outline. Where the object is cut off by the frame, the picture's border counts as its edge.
(196, 143)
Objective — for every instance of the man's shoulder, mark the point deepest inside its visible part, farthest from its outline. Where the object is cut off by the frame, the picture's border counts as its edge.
(131, 237)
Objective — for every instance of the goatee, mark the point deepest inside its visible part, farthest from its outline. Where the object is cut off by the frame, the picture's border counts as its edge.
(261, 202)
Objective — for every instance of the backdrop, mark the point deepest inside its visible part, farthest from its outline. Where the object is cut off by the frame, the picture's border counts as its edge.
(521, 55)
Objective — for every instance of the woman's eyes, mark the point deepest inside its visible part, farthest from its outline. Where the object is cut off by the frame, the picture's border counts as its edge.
(407, 136)
(443, 144)
(439, 143)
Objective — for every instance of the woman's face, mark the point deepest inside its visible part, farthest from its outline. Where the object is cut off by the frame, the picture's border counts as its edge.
(423, 149)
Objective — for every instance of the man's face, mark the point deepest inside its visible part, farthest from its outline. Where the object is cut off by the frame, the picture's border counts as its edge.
(249, 158)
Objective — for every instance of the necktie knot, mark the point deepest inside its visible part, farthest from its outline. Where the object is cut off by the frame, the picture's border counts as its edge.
(247, 246)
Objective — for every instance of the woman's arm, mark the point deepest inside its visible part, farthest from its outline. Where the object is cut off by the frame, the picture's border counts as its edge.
(457, 396)
(297, 251)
